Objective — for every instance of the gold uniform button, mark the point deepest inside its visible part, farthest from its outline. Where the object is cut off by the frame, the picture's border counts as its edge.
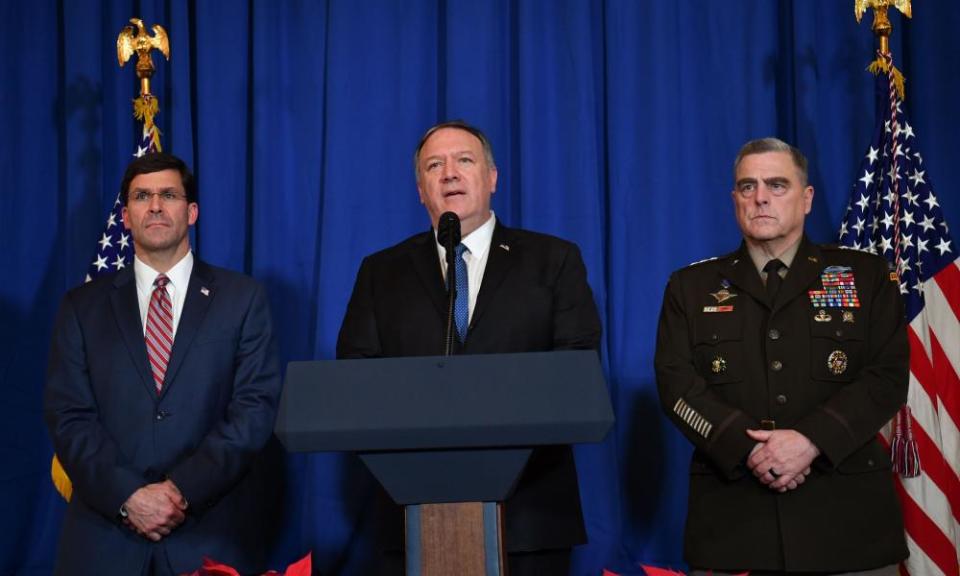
(774, 334)
(776, 365)
(781, 399)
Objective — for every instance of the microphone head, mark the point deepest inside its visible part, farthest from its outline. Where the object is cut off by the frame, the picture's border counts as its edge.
(448, 230)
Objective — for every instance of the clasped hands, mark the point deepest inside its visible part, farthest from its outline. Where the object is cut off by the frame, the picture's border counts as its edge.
(781, 459)
(154, 510)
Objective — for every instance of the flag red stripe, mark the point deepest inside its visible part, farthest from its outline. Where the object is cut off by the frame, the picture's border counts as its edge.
(920, 365)
(947, 381)
(948, 280)
(935, 467)
(928, 536)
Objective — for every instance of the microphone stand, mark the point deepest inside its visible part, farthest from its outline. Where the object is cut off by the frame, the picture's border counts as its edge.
(448, 235)
(451, 297)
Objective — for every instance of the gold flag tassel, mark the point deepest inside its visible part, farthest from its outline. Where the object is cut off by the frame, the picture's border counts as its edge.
(145, 107)
(882, 29)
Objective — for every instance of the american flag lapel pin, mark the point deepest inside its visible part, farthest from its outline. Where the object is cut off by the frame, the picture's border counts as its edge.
(205, 291)
(505, 247)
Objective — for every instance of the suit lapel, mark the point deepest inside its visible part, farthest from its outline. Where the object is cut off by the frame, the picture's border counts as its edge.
(743, 274)
(126, 310)
(426, 264)
(200, 293)
(805, 269)
(504, 251)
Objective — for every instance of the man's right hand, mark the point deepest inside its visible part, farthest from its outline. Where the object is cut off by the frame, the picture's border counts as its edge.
(155, 510)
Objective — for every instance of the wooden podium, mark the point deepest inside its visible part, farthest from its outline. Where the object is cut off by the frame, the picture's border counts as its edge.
(446, 436)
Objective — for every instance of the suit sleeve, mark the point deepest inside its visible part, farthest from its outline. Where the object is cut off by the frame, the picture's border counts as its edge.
(576, 324)
(715, 428)
(858, 410)
(228, 450)
(359, 337)
(87, 451)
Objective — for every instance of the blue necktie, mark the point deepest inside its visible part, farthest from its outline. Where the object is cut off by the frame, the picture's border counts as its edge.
(461, 306)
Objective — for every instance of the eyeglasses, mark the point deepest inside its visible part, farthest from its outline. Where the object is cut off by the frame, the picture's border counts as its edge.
(166, 197)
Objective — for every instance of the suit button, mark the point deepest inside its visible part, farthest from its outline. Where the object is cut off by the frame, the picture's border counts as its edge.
(781, 399)
(776, 365)
(774, 334)
(161, 414)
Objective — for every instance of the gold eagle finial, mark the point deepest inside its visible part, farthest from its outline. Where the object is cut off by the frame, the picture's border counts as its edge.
(128, 42)
(861, 6)
(882, 28)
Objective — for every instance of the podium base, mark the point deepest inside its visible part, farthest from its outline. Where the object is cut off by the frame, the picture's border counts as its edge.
(462, 538)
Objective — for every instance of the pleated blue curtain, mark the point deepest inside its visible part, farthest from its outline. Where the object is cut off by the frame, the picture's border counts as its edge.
(614, 124)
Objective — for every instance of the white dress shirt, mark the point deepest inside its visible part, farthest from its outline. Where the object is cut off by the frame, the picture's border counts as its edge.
(179, 277)
(478, 244)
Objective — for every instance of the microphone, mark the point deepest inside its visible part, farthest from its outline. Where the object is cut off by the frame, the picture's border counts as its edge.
(448, 231)
(448, 236)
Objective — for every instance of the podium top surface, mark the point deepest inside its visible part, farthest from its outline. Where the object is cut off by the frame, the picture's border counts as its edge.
(444, 402)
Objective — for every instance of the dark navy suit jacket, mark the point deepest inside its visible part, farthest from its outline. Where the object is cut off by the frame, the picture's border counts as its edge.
(206, 430)
(534, 297)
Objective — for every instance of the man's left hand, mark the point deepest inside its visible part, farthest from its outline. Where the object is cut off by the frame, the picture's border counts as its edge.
(782, 460)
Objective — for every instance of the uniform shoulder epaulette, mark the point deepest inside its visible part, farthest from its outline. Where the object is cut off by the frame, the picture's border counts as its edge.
(705, 260)
(865, 250)
(726, 256)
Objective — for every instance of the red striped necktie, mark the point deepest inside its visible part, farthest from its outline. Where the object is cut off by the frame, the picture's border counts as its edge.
(159, 334)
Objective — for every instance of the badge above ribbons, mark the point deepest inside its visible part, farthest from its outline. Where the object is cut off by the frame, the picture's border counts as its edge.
(839, 289)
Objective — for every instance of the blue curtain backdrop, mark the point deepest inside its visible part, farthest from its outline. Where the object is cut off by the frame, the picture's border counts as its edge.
(614, 124)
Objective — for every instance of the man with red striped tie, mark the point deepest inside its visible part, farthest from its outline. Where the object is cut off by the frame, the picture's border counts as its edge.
(161, 398)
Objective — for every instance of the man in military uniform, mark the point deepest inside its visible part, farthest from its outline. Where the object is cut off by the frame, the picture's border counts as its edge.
(781, 362)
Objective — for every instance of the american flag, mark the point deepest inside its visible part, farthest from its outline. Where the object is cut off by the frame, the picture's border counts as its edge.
(115, 247)
(894, 212)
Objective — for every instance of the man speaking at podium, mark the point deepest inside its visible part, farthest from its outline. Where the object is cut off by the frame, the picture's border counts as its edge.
(518, 291)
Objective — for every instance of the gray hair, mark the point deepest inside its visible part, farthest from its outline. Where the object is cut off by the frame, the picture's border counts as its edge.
(459, 125)
(763, 145)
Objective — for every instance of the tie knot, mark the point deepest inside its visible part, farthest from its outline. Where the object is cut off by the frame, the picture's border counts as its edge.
(460, 249)
(161, 281)
(774, 266)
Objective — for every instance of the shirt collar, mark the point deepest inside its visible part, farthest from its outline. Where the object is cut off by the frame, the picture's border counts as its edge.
(478, 241)
(760, 259)
(179, 275)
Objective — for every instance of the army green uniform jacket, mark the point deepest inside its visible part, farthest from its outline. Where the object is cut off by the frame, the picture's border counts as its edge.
(828, 358)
